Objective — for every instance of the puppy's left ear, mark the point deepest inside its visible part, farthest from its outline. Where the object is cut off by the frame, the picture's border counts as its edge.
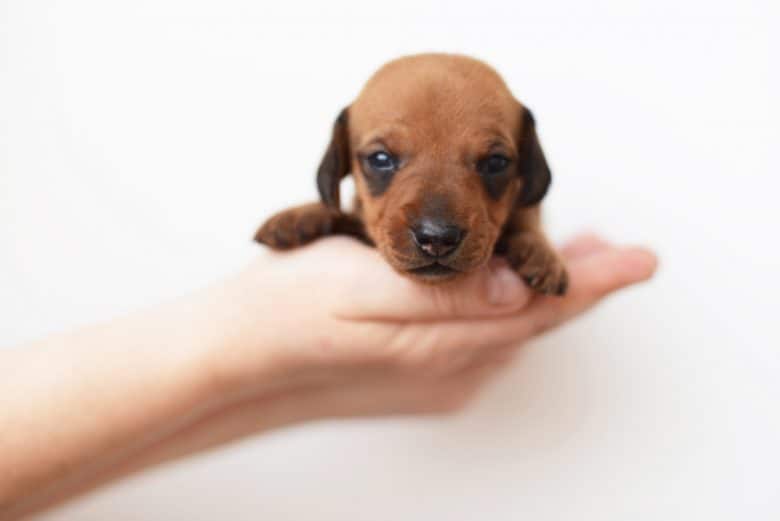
(532, 164)
(335, 163)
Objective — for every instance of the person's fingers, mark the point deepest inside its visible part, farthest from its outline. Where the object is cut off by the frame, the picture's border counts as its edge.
(593, 277)
(444, 347)
(494, 290)
(440, 346)
(376, 292)
(367, 288)
(583, 245)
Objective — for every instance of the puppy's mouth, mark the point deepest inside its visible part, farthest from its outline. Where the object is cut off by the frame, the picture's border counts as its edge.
(433, 271)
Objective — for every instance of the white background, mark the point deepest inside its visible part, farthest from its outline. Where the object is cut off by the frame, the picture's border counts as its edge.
(142, 142)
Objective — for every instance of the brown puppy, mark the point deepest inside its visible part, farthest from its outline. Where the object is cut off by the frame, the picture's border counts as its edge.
(448, 170)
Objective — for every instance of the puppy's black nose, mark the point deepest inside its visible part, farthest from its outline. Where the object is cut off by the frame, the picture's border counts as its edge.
(436, 238)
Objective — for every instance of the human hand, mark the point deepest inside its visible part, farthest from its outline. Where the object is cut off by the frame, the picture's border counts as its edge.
(333, 326)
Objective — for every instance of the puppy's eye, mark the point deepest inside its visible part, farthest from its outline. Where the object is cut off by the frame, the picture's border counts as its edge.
(493, 164)
(382, 162)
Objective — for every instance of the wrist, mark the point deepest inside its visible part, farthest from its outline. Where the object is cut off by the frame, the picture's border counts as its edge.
(239, 350)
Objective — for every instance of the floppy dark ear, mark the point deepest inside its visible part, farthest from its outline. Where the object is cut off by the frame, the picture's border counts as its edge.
(532, 163)
(335, 163)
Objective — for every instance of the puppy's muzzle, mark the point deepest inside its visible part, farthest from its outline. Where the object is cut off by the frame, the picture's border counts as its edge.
(436, 238)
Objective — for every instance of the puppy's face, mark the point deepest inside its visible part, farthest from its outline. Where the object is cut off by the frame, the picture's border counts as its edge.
(441, 153)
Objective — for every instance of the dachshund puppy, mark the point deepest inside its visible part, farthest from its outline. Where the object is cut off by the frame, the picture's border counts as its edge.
(448, 170)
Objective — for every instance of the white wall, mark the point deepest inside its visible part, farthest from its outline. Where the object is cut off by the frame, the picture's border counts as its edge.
(144, 141)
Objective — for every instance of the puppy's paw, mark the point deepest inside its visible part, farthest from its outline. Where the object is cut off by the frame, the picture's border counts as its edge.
(296, 227)
(538, 264)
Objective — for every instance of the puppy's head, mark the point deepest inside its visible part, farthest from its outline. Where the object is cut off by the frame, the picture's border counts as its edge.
(442, 153)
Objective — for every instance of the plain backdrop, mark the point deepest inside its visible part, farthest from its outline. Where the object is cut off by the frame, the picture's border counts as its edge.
(143, 142)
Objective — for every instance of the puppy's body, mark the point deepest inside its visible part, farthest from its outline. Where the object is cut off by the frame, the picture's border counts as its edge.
(448, 170)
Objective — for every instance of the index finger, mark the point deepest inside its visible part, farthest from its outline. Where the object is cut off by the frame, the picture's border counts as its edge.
(376, 291)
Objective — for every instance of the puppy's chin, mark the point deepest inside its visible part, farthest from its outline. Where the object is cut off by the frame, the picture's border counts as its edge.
(420, 269)
(433, 273)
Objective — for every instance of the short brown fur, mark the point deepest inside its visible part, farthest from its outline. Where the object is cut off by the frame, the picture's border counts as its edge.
(439, 115)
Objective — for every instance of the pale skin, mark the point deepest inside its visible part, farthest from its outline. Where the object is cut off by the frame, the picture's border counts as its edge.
(325, 331)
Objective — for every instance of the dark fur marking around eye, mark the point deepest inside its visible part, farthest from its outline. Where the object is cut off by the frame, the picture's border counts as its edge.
(495, 173)
(376, 182)
(496, 185)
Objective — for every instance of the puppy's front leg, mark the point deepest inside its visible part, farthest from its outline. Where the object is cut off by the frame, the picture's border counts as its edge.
(531, 255)
(303, 224)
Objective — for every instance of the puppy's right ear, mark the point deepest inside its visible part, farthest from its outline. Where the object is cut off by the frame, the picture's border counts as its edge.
(335, 163)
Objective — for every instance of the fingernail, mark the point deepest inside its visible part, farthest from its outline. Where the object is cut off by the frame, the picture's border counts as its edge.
(505, 287)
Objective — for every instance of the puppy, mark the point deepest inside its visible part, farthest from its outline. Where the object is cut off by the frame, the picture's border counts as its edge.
(448, 170)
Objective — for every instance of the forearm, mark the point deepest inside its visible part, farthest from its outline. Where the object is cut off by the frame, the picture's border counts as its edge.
(76, 407)
(215, 427)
